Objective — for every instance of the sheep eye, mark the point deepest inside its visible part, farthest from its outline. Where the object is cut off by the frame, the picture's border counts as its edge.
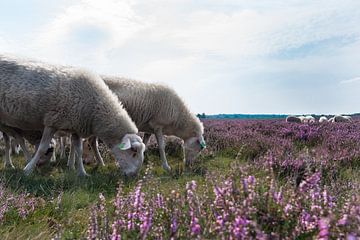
(134, 150)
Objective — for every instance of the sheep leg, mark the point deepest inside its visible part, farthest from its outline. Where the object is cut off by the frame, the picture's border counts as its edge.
(53, 157)
(78, 147)
(19, 140)
(71, 159)
(62, 147)
(161, 143)
(43, 146)
(146, 138)
(8, 162)
(93, 141)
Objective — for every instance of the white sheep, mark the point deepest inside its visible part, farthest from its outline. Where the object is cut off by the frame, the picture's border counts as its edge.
(158, 109)
(310, 119)
(340, 118)
(63, 139)
(323, 119)
(36, 96)
(33, 137)
(293, 119)
(303, 119)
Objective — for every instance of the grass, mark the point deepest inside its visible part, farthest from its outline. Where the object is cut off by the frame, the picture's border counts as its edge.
(80, 193)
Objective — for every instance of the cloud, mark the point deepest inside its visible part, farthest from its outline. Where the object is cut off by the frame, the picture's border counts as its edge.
(351, 80)
(88, 29)
(251, 30)
(236, 56)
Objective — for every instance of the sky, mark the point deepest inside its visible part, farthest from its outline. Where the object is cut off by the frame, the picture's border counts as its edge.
(263, 56)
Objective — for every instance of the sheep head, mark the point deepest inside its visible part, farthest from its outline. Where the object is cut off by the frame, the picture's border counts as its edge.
(129, 153)
(193, 146)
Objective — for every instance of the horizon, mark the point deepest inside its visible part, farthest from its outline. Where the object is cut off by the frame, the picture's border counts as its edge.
(279, 114)
(288, 114)
(233, 56)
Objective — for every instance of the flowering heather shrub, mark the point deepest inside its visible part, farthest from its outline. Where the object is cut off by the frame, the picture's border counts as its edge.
(292, 147)
(21, 204)
(236, 206)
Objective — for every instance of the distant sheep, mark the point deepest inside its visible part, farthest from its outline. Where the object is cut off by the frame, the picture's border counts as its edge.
(35, 96)
(323, 119)
(158, 109)
(293, 119)
(340, 118)
(303, 119)
(310, 119)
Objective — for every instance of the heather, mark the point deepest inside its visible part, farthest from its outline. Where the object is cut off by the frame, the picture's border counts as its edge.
(258, 179)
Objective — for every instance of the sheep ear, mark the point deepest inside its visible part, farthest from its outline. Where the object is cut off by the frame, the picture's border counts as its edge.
(125, 144)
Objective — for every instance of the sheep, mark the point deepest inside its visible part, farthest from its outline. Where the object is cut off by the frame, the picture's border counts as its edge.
(88, 154)
(310, 119)
(33, 137)
(47, 98)
(16, 134)
(303, 119)
(323, 119)
(340, 118)
(62, 140)
(157, 109)
(14, 146)
(293, 119)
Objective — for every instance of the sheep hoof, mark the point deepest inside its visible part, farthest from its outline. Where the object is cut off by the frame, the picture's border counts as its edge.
(71, 167)
(28, 170)
(9, 166)
(83, 174)
(167, 167)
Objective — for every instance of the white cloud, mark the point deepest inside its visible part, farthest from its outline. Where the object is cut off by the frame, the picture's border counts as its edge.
(108, 23)
(351, 80)
(229, 54)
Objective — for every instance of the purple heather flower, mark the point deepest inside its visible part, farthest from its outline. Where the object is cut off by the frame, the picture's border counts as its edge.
(343, 220)
(324, 228)
(351, 236)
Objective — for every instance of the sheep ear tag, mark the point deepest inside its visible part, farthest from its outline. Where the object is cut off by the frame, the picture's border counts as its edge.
(202, 143)
(125, 144)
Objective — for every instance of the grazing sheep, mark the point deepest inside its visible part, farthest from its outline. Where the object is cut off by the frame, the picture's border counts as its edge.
(88, 153)
(323, 119)
(18, 138)
(303, 119)
(35, 96)
(63, 138)
(158, 109)
(293, 119)
(33, 137)
(340, 118)
(15, 147)
(310, 119)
